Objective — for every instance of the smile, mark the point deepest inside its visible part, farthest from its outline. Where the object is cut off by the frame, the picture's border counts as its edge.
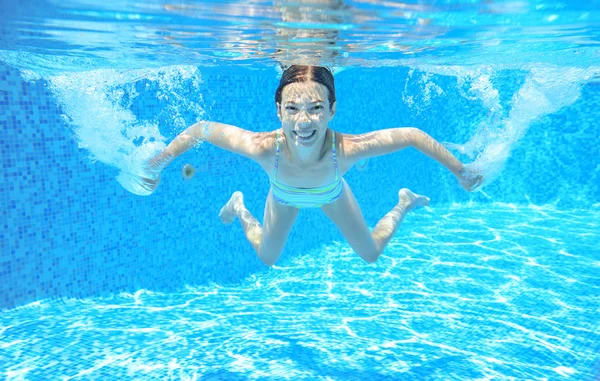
(304, 135)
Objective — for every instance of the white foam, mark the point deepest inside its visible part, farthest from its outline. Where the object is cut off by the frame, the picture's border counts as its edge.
(546, 90)
(97, 106)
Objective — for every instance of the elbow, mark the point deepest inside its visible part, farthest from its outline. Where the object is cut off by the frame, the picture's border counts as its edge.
(187, 139)
(411, 136)
(416, 136)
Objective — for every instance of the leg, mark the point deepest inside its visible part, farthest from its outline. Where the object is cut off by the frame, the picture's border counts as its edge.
(348, 217)
(269, 240)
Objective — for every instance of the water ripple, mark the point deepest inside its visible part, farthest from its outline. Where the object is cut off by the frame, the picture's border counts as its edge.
(510, 294)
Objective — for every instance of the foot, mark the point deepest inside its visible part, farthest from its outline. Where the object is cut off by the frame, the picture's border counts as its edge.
(410, 200)
(228, 213)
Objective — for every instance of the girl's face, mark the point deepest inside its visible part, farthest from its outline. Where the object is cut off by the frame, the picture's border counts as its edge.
(304, 113)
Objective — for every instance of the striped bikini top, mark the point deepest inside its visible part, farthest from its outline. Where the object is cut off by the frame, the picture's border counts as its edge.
(307, 197)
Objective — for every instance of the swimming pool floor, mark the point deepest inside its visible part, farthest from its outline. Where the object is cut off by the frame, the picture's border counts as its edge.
(500, 292)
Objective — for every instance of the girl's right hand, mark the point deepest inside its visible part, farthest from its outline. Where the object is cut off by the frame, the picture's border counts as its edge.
(152, 170)
(141, 175)
(149, 184)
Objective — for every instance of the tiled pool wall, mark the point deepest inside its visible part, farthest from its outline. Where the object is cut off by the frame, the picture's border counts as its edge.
(68, 229)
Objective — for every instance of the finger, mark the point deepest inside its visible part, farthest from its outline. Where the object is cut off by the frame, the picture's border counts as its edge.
(477, 184)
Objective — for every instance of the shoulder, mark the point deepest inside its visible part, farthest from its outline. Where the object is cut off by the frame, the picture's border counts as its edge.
(350, 145)
(347, 147)
(265, 143)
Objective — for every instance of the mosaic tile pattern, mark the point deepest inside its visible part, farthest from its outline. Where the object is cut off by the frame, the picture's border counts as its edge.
(70, 230)
(495, 291)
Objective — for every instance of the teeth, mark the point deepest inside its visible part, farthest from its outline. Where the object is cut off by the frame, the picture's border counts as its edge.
(304, 134)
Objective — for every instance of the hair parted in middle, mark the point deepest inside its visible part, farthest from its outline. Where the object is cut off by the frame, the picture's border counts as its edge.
(303, 73)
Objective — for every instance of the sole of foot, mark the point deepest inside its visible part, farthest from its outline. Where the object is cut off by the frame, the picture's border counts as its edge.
(412, 200)
(227, 213)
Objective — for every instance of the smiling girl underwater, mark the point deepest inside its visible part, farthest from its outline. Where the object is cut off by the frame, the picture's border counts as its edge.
(306, 161)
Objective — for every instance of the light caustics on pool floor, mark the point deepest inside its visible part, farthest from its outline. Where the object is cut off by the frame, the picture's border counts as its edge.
(494, 292)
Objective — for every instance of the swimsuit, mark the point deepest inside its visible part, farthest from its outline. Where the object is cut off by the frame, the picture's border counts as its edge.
(307, 197)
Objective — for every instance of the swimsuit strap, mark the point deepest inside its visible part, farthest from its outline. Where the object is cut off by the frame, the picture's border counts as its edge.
(334, 155)
(277, 156)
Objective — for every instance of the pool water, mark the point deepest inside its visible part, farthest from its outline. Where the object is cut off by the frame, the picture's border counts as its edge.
(100, 280)
(463, 292)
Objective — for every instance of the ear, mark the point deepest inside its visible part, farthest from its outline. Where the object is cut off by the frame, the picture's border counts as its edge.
(332, 111)
(278, 110)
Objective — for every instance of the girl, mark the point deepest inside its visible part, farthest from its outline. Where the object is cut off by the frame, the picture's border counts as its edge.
(306, 161)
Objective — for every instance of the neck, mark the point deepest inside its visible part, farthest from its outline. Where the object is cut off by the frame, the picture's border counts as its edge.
(306, 156)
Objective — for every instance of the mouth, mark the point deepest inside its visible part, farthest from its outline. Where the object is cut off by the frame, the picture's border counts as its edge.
(304, 136)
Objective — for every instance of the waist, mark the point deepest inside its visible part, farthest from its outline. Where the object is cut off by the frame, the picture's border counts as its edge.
(307, 197)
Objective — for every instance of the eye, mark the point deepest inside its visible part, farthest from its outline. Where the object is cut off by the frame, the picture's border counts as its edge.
(318, 107)
(291, 108)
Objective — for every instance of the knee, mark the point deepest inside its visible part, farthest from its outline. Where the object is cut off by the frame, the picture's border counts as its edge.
(370, 257)
(269, 257)
(268, 261)
(368, 252)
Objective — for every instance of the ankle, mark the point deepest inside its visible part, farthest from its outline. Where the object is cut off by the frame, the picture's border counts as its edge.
(401, 208)
(237, 208)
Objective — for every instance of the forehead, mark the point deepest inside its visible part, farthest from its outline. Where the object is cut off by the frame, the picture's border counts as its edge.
(300, 91)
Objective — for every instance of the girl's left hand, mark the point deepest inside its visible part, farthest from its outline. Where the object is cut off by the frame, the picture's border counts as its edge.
(470, 179)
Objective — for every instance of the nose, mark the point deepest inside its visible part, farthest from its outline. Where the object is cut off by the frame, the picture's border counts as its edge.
(303, 118)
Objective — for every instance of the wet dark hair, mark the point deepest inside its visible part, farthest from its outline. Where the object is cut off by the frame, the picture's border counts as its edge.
(301, 73)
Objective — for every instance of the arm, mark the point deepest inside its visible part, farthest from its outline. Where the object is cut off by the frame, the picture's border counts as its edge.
(246, 143)
(230, 138)
(430, 147)
(469, 179)
(382, 142)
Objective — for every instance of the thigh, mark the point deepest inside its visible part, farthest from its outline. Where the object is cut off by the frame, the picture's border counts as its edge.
(346, 214)
(277, 224)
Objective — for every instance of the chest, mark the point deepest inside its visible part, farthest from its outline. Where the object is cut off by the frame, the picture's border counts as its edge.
(316, 175)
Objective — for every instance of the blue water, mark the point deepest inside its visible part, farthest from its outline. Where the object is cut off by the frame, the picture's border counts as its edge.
(462, 293)
(100, 283)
